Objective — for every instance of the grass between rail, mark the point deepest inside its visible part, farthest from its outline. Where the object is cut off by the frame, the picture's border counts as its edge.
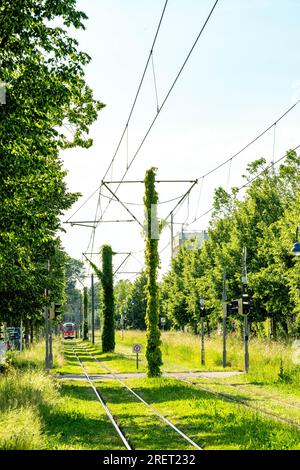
(40, 412)
(210, 421)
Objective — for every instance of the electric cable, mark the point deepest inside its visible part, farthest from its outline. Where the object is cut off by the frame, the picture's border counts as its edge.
(248, 182)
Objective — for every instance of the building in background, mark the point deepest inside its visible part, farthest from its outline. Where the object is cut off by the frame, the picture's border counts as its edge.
(192, 239)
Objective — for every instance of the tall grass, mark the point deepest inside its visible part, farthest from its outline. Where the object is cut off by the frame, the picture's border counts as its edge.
(27, 392)
(34, 356)
(270, 361)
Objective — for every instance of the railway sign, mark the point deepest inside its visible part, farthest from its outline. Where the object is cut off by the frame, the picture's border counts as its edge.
(136, 348)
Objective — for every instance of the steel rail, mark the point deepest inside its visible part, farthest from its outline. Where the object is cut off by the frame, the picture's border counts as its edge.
(227, 397)
(110, 416)
(259, 393)
(163, 418)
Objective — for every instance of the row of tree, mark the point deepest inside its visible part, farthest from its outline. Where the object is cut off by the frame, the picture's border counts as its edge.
(48, 107)
(264, 222)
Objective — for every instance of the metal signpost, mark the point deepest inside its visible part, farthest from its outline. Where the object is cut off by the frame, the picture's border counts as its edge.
(245, 309)
(51, 317)
(93, 309)
(137, 348)
(224, 319)
(163, 322)
(202, 315)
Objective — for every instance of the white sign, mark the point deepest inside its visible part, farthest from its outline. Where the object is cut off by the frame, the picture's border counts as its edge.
(162, 320)
(136, 348)
(2, 352)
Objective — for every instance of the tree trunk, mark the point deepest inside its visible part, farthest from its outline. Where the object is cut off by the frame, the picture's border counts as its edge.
(26, 335)
(31, 333)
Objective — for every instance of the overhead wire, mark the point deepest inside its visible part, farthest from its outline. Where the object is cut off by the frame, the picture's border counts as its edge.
(128, 165)
(139, 87)
(261, 134)
(141, 204)
(232, 157)
(165, 99)
(249, 143)
(248, 182)
(155, 84)
(110, 166)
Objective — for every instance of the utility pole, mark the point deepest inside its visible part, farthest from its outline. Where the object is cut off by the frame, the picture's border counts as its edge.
(202, 315)
(80, 317)
(21, 335)
(47, 293)
(50, 344)
(93, 309)
(245, 294)
(224, 318)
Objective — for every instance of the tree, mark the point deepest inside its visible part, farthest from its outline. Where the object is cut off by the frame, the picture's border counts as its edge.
(48, 108)
(122, 293)
(107, 301)
(264, 221)
(153, 351)
(136, 304)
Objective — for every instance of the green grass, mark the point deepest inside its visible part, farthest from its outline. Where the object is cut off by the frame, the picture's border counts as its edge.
(181, 352)
(25, 396)
(34, 356)
(209, 420)
(78, 421)
(38, 411)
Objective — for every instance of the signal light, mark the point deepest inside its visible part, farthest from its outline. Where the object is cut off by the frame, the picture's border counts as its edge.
(57, 310)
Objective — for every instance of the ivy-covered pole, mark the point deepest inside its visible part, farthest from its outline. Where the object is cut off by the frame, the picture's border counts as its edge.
(108, 331)
(107, 298)
(85, 314)
(153, 351)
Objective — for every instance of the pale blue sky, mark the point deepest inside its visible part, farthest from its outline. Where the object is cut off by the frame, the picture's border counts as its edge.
(238, 80)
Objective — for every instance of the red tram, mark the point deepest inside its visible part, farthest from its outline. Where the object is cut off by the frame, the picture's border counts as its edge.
(69, 330)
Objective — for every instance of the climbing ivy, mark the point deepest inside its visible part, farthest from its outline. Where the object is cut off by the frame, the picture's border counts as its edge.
(85, 314)
(153, 351)
(107, 299)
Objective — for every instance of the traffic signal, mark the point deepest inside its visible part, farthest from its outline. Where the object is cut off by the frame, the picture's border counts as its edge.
(245, 302)
(202, 309)
(202, 312)
(235, 307)
(57, 310)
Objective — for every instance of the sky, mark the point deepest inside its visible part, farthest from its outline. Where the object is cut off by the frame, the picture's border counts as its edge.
(243, 74)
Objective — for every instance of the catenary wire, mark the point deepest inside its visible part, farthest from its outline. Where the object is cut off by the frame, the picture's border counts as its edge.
(248, 182)
(165, 99)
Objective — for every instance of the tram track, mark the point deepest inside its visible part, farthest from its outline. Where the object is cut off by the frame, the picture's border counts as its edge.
(100, 399)
(132, 392)
(262, 394)
(240, 401)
